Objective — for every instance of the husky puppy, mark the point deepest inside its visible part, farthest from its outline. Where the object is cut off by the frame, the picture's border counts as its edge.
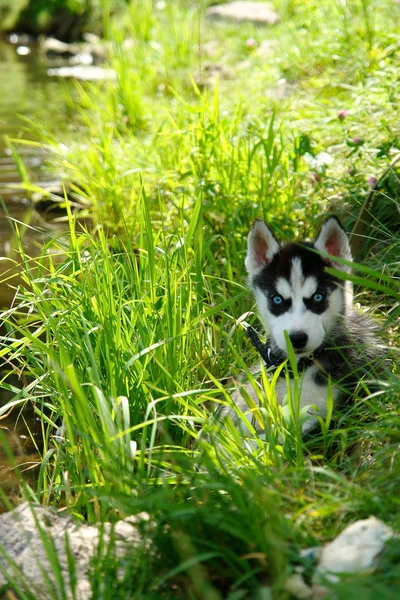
(295, 294)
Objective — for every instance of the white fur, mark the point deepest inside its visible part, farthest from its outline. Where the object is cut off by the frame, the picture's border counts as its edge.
(311, 394)
(283, 288)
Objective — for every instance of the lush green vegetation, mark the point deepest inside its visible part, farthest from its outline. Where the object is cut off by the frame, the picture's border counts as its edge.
(129, 337)
(65, 19)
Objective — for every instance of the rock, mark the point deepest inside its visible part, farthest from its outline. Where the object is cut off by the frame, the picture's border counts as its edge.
(83, 72)
(260, 13)
(98, 52)
(91, 38)
(355, 549)
(91, 51)
(23, 50)
(23, 544)
(53, 47)
(20, 38)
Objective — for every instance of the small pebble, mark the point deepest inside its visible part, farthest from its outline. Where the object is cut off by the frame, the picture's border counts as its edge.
(23, 50)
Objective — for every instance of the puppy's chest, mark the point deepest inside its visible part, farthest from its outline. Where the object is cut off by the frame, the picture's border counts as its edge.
(310, 391)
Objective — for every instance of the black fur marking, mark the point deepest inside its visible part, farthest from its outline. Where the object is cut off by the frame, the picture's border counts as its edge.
(319, 307)
(278, 309)
(320, 378)
(312, 264)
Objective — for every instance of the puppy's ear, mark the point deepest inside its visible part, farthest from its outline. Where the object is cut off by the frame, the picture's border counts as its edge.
(333, 240)
(261, 248)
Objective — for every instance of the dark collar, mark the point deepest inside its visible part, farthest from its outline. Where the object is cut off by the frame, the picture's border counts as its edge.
(272, 360)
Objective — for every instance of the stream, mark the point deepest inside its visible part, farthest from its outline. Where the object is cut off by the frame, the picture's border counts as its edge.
(27, 94)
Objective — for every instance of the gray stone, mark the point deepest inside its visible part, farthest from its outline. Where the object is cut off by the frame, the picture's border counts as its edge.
(260, 13)
(22, 544)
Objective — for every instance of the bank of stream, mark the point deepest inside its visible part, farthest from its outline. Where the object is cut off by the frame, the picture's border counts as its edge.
(28, 95)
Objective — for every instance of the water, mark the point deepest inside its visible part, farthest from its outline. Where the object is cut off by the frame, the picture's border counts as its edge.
(26, 92)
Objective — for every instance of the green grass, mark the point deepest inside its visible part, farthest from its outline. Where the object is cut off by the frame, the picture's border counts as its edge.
(127, 331)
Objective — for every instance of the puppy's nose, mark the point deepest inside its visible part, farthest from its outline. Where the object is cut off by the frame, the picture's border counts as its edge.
(299, 339)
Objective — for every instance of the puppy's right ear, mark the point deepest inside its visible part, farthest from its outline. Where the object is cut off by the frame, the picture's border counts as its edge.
(262, 246)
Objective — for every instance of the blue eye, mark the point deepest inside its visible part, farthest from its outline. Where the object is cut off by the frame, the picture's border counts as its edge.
(277, 299)
(318, 297)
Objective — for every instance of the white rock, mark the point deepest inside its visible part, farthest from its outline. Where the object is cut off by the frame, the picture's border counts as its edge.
(23, 50)
(260, 13)
(23, 544)
(355, 549)
(91, 38)
(83, 72)
(57, 46)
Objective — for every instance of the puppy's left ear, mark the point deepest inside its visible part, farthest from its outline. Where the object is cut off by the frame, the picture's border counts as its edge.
(333, 240)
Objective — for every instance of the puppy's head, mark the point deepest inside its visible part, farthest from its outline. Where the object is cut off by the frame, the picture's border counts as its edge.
(294, 293)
